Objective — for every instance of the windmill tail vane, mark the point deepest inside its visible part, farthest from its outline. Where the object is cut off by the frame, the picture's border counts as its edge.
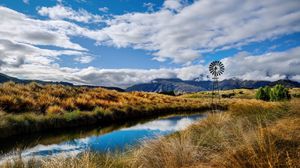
(216, 68)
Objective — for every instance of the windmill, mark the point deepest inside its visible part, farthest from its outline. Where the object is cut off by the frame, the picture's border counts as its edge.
(216, 68)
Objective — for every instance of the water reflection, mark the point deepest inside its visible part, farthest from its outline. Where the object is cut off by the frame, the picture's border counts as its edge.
(117, 139)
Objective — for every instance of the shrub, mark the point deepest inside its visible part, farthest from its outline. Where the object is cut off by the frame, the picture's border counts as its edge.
(263, 93)
(277, 93)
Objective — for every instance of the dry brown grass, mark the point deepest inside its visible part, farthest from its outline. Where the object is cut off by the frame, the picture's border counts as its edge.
(235, 93)
(175, 152)
(252, 134)
(85, 160)
(19, 98)
(231, 140)
(56, 105)
(54, 110)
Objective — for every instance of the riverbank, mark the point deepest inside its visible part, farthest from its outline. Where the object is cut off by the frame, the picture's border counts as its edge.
(25, 109)
(96, 138)
(251, 133)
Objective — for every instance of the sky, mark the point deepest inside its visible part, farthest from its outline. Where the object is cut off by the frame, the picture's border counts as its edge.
(124, 42)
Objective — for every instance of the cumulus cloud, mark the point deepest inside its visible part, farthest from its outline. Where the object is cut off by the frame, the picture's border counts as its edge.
(177, 32)
(203, 26)
(181, 36)
(271, 66)
(13, 52)
(22, 39)
(60, 12)
(18, 27)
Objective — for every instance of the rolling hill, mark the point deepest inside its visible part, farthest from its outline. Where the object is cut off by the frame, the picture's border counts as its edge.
(5, 78)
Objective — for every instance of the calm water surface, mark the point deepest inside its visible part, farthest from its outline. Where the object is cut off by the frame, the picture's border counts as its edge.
(98, 139)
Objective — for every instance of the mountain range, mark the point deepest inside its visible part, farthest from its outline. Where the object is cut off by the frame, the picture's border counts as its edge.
(178, 86)
(173, 85)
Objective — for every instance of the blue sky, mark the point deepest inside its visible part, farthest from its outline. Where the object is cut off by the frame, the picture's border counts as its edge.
(123, 42)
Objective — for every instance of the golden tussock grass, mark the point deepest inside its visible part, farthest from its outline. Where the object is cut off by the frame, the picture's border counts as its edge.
(85, 160)
(175, 152)
(234, 139)
(25, 106)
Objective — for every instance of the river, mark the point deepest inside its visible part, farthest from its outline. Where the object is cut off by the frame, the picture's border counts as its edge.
(75, 141)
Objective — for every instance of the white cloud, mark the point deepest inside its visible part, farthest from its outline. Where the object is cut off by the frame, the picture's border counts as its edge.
(84, 59)
(103, 9)
(180, 36)
(271, 66)
(19, 28)
(14, 53)
(60, 12)
(203, 26)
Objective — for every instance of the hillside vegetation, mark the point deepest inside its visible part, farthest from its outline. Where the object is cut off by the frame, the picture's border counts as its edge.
(33, 107)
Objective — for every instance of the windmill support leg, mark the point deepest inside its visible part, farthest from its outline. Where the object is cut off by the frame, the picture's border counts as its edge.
(216, 98)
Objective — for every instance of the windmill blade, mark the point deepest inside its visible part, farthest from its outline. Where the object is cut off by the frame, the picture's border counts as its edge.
(216, 68)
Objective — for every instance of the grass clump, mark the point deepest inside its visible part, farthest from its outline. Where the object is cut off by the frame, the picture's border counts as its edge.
(54, 110)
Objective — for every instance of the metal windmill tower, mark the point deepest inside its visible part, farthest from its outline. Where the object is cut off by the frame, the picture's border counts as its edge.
(216, 68)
